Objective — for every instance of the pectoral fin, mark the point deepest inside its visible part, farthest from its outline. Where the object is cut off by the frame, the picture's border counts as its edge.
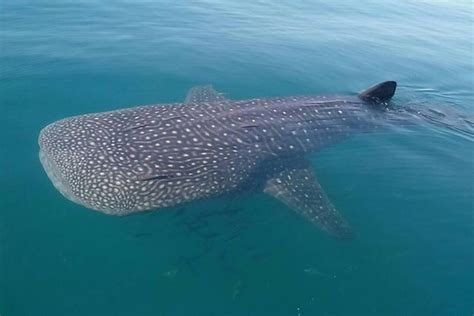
(200, 94)
(300, 190)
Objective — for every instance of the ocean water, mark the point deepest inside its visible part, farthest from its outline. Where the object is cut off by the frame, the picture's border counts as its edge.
(407, 192)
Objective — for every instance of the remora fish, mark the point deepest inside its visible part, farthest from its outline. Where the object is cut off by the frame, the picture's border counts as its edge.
(150, 157)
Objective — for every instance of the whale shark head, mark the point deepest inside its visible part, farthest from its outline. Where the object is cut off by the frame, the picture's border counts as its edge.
(75, 153)
(57, 177)
(64, 159)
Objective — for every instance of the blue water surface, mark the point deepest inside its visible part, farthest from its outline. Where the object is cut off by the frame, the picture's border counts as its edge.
(408, 193)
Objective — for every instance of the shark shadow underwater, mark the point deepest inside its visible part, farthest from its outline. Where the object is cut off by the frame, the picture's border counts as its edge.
(157, 156)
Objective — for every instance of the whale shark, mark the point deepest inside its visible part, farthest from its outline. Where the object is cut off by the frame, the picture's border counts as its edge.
(157, 156)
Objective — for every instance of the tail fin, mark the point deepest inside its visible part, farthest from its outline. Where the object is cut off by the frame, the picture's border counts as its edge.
(381, 92)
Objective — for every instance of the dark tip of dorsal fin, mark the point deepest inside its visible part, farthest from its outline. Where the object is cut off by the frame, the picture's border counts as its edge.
(381, 92)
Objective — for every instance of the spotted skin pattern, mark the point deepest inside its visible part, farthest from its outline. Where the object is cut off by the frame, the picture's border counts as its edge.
(307, 197)
(157, 156)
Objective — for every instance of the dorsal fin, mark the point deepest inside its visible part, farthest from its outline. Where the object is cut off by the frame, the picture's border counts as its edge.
(381, 92)
(200, 94)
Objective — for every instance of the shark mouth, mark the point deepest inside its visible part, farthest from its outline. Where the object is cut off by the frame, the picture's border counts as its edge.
(56, 178)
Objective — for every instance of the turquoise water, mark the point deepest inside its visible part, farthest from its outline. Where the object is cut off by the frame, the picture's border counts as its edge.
(408, 193)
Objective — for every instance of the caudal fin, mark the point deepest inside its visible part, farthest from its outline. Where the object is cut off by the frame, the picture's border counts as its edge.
(381, 92)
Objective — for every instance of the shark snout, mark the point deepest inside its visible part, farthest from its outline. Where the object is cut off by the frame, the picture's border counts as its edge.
(56, 177)
(59, 162)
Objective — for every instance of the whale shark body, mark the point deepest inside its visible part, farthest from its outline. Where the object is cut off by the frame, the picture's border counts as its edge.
(151, 157)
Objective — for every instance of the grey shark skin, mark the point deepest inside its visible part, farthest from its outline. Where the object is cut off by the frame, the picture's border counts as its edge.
(150, 157)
